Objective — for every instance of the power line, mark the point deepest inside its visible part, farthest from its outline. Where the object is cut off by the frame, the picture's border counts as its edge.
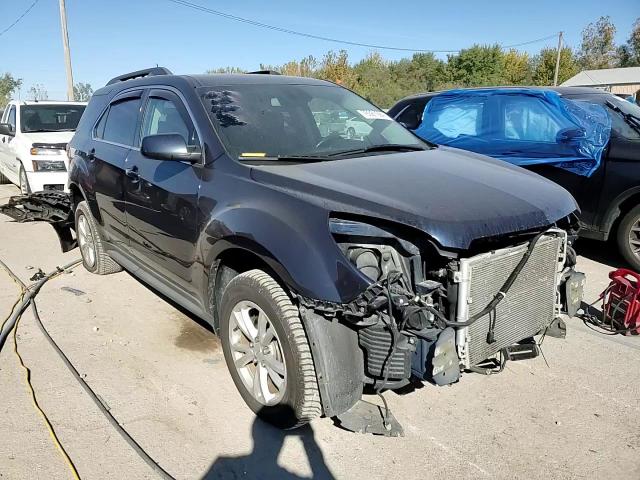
(19, 18)
(255, 23)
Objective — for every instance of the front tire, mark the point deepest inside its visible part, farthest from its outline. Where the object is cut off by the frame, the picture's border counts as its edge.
(94, 257)
(267, 351)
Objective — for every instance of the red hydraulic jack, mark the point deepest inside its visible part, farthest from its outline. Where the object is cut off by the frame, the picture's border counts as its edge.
(621, 302)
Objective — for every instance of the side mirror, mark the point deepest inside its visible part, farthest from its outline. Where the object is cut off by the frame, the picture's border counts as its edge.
(569, 135)
(168, 146)
(7, 129)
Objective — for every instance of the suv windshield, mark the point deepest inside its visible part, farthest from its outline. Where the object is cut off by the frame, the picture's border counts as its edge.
(289, 120)
(50, 118)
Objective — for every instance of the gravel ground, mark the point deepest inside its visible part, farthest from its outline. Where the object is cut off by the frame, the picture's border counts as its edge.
(164, 378)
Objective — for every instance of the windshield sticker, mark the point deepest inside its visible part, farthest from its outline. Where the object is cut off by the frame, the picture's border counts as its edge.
(373, 115)
(253, 154)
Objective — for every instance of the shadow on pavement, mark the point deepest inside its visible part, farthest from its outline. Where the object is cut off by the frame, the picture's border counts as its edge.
(601, 252)
(262, 462)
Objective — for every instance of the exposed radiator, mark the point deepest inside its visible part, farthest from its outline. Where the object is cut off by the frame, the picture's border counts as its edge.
(529, 306)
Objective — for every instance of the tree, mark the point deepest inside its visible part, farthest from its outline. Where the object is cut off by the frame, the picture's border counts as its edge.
(82, 92)
(226, 70)
(598, 49)
(477, 66)
(8, 85)
(335, 68)
(517, 68)
(545, 66)
(629, 53)
(38, 92)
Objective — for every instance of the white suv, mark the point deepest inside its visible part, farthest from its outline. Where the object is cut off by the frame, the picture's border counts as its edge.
(33, 143)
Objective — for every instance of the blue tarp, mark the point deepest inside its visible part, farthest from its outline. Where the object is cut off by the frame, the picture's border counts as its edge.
(523, 126)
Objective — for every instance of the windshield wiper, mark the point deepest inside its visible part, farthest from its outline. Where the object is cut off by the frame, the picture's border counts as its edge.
(632, 120)
(379, 148)
(40, 130)
(286, 158)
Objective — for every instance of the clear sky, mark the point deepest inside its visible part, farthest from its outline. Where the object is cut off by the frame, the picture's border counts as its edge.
(111, 37)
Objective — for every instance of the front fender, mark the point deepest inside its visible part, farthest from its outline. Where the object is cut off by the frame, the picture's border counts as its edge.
(296, 244)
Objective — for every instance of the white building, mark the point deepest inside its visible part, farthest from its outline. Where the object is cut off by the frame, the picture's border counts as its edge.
(615, 80)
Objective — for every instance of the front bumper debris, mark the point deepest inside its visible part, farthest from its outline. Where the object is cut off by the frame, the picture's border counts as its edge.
(55, 208)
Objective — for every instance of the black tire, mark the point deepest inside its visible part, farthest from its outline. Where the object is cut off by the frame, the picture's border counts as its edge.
(23, 182)
(300, 402)
(625, 235)
(102, 263)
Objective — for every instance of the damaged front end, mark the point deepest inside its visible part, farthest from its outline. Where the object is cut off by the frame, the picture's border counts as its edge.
(55, 208)
(432, 314)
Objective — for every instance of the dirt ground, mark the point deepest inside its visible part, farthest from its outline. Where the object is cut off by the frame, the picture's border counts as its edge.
(164, 378)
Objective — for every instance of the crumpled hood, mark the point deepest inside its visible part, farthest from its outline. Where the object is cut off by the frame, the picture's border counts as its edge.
(453, 195)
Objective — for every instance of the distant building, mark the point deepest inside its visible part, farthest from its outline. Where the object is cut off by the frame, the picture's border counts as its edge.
(621, 81)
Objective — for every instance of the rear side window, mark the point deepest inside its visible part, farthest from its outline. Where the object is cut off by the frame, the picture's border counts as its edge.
(119, 123)
(458, 119)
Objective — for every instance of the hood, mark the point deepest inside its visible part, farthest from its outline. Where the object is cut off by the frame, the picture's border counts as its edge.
(48, 137)
(452, 195)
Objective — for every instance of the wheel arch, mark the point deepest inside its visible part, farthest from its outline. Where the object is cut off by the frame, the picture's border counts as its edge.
(622, 204)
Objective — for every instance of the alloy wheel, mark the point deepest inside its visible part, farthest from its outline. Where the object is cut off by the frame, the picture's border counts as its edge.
(634, 238)
(86, 242)
(257, 353)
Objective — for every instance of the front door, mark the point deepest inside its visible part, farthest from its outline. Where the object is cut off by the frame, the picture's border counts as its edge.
(162, 195)
(9, 164)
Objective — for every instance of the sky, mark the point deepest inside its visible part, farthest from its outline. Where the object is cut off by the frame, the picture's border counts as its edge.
(112, 37)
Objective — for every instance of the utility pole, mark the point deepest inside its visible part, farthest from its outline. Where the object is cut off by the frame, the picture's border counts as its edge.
(555, 77)
(67, 53)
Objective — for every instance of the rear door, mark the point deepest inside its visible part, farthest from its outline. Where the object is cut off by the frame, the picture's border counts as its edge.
(114, 137)
(162, 195)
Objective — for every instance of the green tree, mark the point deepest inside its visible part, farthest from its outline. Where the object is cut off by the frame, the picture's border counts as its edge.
(598, 48)
(8, 85)
(225, 70)
(38, 92)
(477, 66)
(545, 66)
(82, 92)
(335, 68)
(374, 81)
(517, 68)
(630, 52)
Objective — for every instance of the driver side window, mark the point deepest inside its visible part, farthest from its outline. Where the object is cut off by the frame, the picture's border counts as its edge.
(163, 116)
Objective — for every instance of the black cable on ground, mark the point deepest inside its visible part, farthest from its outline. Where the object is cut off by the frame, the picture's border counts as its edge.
(28, 298)
(99, 403)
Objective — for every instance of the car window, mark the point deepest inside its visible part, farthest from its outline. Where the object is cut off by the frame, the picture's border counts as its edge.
(458, 119)
(50, 118)
(11, 118)
(121, 120)
(411, 116)
(530, 119)
(163, 116)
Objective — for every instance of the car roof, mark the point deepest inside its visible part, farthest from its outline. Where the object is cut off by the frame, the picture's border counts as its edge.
(211, 80)
(564, 91)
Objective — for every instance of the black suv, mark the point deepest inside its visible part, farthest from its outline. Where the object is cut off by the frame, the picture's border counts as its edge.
(326, 264)
(609, 199)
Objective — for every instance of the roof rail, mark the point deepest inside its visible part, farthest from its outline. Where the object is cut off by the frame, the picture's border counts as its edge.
(147, 72)
(264, 72)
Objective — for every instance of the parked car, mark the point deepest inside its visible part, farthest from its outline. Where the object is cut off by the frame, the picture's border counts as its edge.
(610, 198)
(355, 127)
(33, 142)
(325, 264)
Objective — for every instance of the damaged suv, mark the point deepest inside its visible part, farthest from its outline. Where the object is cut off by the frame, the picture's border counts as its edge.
(329, 264)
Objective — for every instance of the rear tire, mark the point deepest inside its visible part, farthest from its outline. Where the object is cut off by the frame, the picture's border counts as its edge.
(628, 238)
(261, 329)
(94, 257)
